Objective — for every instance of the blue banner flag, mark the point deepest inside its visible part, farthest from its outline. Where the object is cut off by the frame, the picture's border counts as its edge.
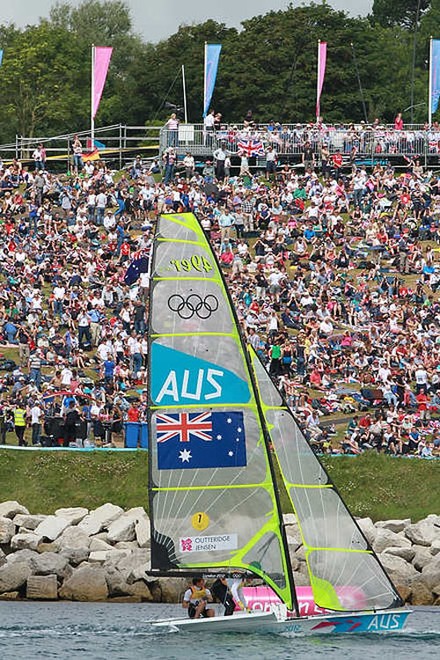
(189, 440)
(435, 74)
(212, 56)
(1, 57)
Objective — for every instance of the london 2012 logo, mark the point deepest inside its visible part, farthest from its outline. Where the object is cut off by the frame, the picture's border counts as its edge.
(193, 305)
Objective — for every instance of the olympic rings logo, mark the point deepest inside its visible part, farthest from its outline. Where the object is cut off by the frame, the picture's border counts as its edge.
(193, 305)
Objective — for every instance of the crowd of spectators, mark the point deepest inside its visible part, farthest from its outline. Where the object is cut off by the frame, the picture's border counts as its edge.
(333, 273)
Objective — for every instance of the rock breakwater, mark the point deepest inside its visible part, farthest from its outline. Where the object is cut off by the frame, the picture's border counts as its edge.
(104, 554)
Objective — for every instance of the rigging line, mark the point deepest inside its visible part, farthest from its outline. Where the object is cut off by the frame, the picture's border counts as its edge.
(165, 97)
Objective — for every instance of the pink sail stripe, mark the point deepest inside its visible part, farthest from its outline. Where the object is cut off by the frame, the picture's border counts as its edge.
(322, 60)
(101, 64)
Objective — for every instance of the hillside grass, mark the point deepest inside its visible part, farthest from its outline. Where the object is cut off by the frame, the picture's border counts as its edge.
(372, 485)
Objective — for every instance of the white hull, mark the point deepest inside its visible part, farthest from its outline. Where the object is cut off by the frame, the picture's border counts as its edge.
(270, 623)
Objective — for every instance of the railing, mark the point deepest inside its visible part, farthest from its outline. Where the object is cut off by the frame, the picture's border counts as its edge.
(118, 140)
(288, 140)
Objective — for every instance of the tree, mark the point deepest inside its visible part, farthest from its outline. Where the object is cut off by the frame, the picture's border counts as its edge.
(42, 81)
(403, 13)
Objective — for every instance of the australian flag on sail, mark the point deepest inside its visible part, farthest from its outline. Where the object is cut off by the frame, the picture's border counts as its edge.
(250, 147)
(138, 265)
(208, 439)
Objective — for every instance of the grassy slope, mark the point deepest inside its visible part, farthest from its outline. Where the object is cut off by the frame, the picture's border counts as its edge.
(378, 486)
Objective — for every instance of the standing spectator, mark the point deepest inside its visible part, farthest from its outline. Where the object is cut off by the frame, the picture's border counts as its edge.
(398, 122)
(208, 128)
(35, 369)
(271, 161)
(36, 414)
(169, 160)
(189, 165)
(37, 156)
(20, 424)
(78, 164)
(220, 158)
(172, 127)
(308, 157)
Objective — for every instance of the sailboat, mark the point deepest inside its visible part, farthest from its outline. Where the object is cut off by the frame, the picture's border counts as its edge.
(223, 446)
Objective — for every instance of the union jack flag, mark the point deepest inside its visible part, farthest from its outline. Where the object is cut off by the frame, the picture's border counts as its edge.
(250, 147)
(184, 426)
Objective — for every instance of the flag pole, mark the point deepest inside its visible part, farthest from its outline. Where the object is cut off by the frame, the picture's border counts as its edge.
(317, 81)
(184, 94)
(430, 84)
(92, 96)
(204, 79)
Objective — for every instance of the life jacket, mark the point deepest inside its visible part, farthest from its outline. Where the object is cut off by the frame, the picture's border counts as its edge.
(196, 593)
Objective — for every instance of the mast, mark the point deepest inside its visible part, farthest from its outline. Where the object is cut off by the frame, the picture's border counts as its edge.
(266, 436)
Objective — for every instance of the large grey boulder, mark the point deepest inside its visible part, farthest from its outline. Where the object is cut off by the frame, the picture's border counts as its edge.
(434, 519)
(422, 533)
(143, 532)
(13, 576)
(173, 589)
(73, 514)
(385, 538)
(395, 526)
(289, 519)
(85, 584)
(72, 538)
(52, 527)
(431, 572)
(28, 521)
(10, 509)
(422, 557)
(435, 546)
(406, 553)
(51, 563)
(420, 593)
(7, 530)
(368, 529)
(122, 529)
(399, 570)
(101, 556)
(25, 555)
(2, 557)
(29, 540)
(133, 566)
(98, 544)
(75, 556)
(127, 545)
(100, 518)
(42, 587)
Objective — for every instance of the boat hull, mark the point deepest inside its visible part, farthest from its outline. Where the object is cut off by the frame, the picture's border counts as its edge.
(269, 623)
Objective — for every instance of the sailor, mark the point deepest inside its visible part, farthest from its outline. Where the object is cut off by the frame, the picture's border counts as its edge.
(229, 591)
(196, 598)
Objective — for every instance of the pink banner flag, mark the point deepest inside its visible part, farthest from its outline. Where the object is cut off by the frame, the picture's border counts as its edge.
(322, 59)
(101, 61)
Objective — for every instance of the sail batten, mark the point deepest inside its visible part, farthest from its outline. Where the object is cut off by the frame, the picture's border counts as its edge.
(212, 498)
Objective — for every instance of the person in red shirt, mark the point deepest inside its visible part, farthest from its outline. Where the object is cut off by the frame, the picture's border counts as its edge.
(423, 405)
(133, 414)
(398, 122)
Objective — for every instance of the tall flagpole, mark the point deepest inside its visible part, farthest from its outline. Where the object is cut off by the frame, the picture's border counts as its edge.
(184, 94)
(92, 119)
(318, 105)
(430, 84)
(204, 79)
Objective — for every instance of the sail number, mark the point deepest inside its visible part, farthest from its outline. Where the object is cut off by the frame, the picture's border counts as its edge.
(196, 262)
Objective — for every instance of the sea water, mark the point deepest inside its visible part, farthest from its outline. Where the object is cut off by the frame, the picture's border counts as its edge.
(118, 631)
